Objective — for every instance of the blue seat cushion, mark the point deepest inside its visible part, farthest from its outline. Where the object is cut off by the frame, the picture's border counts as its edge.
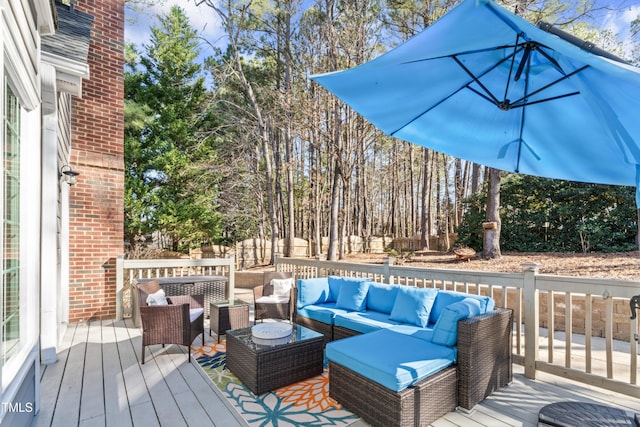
(312, 291)
(413, 305)
(381, 297)
(364, 322)
(324, 313)
(389, 358)
(444, 298)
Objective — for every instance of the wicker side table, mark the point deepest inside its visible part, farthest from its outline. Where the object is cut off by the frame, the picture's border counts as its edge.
(226, 315)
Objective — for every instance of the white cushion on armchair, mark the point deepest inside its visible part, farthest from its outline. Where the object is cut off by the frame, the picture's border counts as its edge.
(273, 299)
(157, 298)
(282, 287)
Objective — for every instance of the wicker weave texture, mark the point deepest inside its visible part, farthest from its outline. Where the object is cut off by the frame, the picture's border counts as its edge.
(271, 368)
(320, 327)
(484, 355)
(340, 332)
(228, 317)
(420, 404)
(271, 310)
(212, 291)
(170, 324)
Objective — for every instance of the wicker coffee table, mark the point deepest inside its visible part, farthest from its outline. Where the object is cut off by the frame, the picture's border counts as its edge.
(266, 367)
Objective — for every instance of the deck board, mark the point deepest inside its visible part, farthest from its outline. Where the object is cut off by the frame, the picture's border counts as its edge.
(98, 381)
(71, 386)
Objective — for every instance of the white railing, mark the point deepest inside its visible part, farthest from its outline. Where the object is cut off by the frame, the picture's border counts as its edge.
(127, 270)
(590, 336)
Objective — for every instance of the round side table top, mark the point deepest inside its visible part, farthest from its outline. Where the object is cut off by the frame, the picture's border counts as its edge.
(580, 414)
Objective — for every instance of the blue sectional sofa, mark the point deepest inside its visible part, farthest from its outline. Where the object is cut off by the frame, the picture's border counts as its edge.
(403, 355)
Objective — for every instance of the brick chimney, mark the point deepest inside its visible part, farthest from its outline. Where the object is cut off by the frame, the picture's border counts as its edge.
(97, 144)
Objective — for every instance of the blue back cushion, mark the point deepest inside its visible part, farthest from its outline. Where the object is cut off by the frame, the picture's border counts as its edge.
(444, 298)
(312, 291)
(335, 283)
(446, 330)
(381, 297)
(412, 305)
(353, 294)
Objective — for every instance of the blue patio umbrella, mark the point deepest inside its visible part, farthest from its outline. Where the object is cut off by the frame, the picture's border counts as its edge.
(484, 85)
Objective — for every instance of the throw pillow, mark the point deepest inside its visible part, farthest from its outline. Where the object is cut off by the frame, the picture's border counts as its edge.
(412, 305)
(446, 330)
(312, 291)
(335, 284)
(281, 287)
(157, 298)
(352, 295)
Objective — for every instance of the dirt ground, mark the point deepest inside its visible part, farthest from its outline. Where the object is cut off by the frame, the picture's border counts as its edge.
(621, 265)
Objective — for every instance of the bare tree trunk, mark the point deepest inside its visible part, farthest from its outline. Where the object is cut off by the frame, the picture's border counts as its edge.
(475, 178)
(491, 241)
(424, 217)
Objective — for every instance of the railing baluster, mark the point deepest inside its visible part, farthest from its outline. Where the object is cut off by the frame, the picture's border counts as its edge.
(609, 336)
(567, 329)
(588, 331)
(633, 363)
(550, 325)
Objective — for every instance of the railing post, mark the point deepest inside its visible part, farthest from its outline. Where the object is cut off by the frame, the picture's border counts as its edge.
(531, 319)
(276, 261)
(232, 278)
(388, 262)
(119, 286)
(320, 258)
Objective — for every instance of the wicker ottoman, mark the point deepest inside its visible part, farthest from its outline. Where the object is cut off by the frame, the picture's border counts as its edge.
(417, 405)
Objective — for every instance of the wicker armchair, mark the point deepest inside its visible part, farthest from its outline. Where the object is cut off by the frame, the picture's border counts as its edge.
(167, 324)
(270, 307)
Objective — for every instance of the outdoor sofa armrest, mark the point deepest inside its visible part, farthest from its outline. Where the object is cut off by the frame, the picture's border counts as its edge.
(484, 355)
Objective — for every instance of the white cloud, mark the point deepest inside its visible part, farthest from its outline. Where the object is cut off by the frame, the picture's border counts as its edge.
(202, 18)
(619, 21)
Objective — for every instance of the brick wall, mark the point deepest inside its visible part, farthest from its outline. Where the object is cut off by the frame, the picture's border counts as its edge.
(96, 201)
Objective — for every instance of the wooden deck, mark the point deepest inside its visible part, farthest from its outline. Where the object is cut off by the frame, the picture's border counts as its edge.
(98, 381)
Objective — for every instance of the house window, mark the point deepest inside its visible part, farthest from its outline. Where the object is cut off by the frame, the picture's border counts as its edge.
(11, 226)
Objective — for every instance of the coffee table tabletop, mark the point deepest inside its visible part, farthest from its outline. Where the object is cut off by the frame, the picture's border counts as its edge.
(263, 367)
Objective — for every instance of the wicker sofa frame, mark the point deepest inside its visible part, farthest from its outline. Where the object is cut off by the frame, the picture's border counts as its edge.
(484, 364)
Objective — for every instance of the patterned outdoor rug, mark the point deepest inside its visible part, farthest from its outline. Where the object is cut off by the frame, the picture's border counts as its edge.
(306, 403)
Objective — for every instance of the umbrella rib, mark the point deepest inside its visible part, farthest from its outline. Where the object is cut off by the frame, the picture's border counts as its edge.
(468, 52)
(553, 98)
(477, 80)
(522, 100)
(522, 116)
(497, 104)
(513, 61)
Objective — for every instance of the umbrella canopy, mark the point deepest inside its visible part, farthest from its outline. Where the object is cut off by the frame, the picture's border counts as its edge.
(484, 85)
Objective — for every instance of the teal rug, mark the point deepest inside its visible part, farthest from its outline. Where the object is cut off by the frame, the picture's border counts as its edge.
(306, 403)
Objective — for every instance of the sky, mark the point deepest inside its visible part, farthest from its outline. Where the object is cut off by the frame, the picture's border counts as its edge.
(205, 21)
